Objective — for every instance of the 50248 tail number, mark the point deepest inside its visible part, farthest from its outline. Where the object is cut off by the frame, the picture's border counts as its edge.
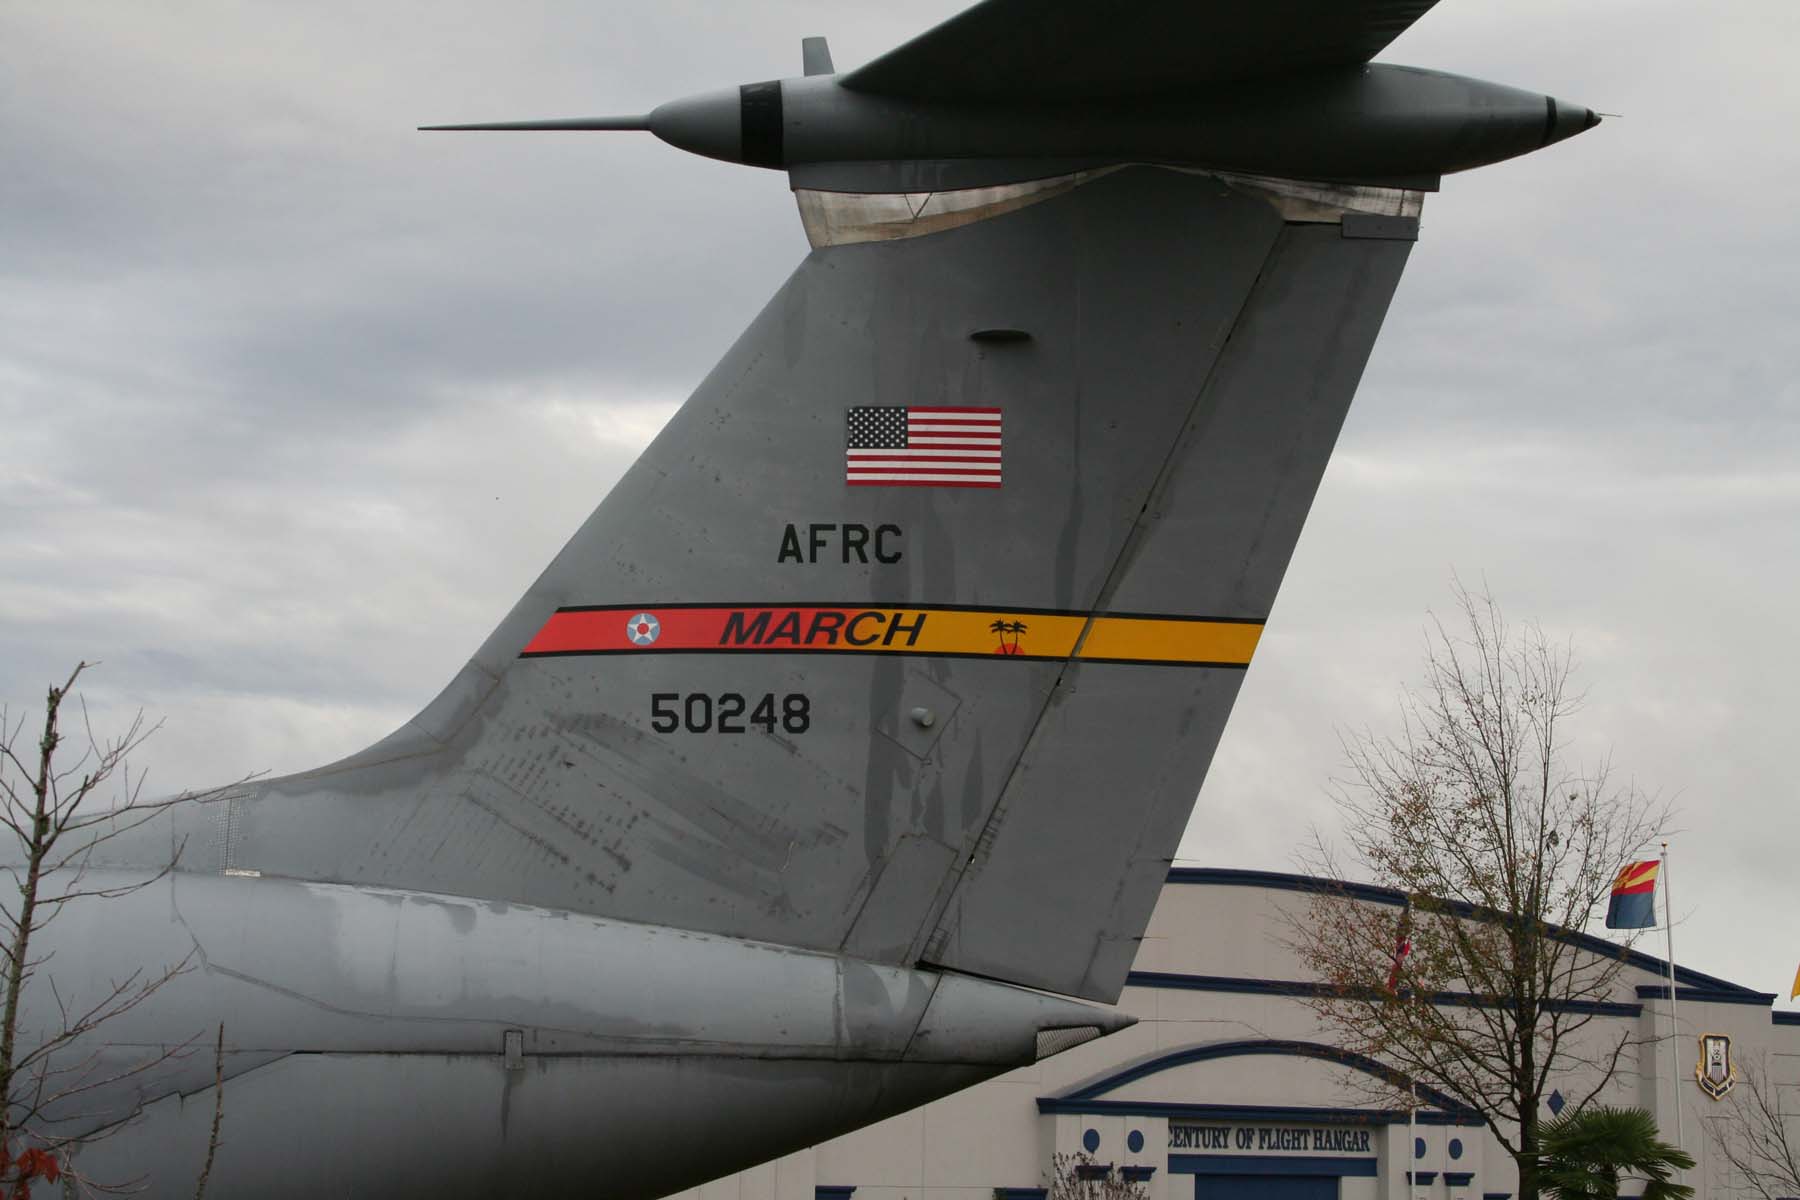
(730, 712)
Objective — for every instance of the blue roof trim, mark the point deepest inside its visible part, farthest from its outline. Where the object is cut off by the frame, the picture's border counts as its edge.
(1284, 881)
(1249, 1112)
(1421, 1176)
(1224, 983)
(1006, 1193)
(1784, 1018)
(1655, 991)
(1459, 1178)
(1249, 1164)
(833, 1191)
(1136, 1173)
(1303, 987)
(1496, 1196)
(1207, 1051)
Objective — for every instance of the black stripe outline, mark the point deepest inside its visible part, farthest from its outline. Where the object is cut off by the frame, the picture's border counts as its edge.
(652, 651)
(905, 607)
(760, 124)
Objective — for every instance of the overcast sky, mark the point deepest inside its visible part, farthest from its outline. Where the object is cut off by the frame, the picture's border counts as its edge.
(294, 401)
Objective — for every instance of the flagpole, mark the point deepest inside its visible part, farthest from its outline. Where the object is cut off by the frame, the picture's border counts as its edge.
(1674, 1014)
(1412, 1136)
(1402, 951)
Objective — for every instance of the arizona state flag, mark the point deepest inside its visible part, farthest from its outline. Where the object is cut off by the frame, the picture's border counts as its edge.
(1633, 897)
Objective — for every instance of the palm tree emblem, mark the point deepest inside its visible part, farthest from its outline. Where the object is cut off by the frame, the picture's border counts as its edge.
(1003, 629)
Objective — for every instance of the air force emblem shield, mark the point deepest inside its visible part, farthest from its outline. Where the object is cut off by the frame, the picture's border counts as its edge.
(1715, 1070)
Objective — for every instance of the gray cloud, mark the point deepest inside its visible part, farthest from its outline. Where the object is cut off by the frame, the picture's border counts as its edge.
(296, 400)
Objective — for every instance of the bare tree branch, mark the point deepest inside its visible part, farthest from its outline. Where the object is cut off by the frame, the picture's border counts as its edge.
(1756, 1137)
(1078, 1177)
(212, 1141)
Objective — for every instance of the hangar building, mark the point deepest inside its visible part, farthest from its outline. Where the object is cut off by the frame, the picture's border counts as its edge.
(1228, 1089)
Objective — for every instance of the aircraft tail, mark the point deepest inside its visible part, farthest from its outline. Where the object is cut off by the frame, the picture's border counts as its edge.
(913, 633)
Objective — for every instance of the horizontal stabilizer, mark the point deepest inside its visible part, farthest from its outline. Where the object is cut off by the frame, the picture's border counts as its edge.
(1066, 49)
(1283, 89)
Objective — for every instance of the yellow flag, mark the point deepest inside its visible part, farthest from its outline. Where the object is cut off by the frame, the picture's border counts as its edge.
(1796, 991)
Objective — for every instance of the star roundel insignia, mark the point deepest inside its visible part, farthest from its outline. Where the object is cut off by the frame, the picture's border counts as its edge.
(643, 629)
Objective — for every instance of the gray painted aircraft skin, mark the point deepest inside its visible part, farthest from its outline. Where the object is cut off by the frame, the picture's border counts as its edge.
(836, 762)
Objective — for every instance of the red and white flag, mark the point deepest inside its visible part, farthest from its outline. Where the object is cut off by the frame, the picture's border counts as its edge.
(1402, 946)
(922, 447)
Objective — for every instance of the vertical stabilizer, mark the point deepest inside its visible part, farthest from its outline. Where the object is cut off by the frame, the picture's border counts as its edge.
(912, 634)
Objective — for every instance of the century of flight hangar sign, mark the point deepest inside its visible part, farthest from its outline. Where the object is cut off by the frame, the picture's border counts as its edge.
(1272, 1139)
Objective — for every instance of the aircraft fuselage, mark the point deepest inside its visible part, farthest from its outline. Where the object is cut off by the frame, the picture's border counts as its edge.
(459, 1041)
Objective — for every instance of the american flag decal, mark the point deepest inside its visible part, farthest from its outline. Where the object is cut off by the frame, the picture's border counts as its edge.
(922, 447)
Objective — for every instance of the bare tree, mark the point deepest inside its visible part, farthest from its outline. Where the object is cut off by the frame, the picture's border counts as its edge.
(1756, 1136)
(1478, 987)
(60, 812)
(1078, 1177)
(218, 1117)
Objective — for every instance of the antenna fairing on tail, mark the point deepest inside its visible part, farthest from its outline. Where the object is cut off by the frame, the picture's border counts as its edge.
(1366, 124)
